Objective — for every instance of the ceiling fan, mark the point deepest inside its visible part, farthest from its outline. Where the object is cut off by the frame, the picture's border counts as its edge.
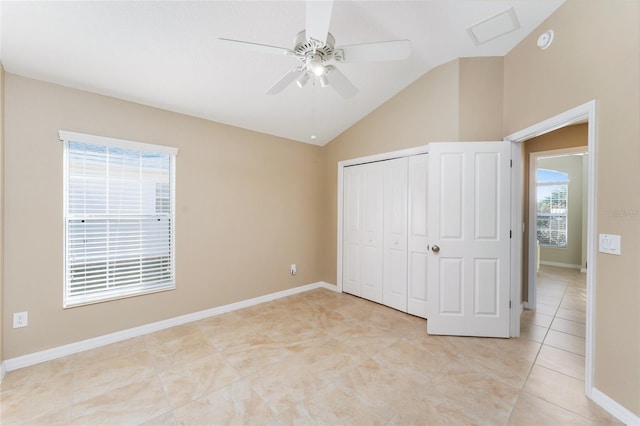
(315, 48)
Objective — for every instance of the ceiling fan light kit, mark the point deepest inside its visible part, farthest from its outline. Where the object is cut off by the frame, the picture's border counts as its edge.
(314, 64)
(302, 80)
(324, 81)
(315, 48)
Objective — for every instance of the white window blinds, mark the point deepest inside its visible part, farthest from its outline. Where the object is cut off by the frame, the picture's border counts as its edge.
(119, 218)
(552, 210)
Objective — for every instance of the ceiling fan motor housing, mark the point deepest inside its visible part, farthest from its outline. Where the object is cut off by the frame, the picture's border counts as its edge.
(303, 48)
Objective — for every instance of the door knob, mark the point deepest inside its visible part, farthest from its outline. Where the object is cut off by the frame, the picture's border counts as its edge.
(435, 249)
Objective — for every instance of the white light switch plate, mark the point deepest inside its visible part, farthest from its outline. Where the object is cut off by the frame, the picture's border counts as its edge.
(610, 244)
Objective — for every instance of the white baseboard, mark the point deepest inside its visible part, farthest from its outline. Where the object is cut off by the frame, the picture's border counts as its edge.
(3, 371)
(84, 345)
(560, 265)
(583, 270)
(615, 409)
(328, 286)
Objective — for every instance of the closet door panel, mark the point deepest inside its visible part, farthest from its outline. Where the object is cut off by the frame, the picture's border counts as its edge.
(352, 231)
(395, 234)
(352, 269)
(372, 236)
(417, 235)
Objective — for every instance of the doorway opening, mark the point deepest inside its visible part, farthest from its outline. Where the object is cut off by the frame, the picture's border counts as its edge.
(556, 213)
(521, 266)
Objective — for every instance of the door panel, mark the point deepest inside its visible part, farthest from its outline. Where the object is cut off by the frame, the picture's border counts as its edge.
(395, 234)
(487, 188)
(351, 263)
(450, 285)
(486, 287)
(450, 189)
(396, 284)
(468, 277)
(371, 273)
(417, 235)
(373, 232)
(362, 259)
(352, 269)
(418, 280)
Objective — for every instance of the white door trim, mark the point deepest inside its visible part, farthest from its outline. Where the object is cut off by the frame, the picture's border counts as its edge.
(517, 228)
(352, 162)
(582, 112)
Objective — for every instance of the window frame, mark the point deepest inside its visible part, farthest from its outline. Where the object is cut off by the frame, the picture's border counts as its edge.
(71, 301)
(565, 215)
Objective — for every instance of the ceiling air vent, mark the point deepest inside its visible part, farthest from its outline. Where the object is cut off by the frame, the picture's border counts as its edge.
(494, 27)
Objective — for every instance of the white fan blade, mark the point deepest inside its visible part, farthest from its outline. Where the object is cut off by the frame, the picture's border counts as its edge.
(369, 52)
(286, 80)
(340, 83)
(318, 19)
(256, 47)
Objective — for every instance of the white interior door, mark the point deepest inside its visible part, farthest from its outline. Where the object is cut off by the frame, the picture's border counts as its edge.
(417, 235)
(362, 245)
(469, 232)
(394, 284)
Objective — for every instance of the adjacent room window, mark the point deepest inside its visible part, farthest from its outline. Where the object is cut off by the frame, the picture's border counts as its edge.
(552, 210)
(119, 218)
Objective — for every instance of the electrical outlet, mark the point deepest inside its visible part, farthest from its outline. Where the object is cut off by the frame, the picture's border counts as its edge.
(293, 269)
(20, 319)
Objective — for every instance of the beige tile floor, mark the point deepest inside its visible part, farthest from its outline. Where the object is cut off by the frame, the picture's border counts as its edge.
(322, 358)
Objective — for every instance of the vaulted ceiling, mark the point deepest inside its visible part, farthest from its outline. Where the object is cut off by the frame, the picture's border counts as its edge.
(167, 54)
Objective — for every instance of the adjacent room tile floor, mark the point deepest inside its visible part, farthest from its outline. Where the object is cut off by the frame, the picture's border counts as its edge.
(322, 358)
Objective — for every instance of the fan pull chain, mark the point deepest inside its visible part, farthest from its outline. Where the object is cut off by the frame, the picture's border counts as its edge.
(313, 115)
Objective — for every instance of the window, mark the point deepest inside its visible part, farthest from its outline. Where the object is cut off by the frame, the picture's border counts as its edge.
(552, 207)
(119, 218)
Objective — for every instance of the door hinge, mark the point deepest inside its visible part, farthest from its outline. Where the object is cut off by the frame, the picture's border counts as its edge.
(510, 163)
(510, 234)
(509, 304)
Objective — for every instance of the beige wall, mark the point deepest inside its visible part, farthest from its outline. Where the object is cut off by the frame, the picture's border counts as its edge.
(596, 55)
(572, 253)
(566, 137)
(480, 99)
(247, 206)
(438, 107)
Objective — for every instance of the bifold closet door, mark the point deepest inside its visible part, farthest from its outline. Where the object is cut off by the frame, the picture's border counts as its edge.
(385, 233)
(417, 235)
(363, 231)
(394, 283)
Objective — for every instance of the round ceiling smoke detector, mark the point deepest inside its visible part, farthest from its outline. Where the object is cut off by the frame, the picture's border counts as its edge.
(545, 39)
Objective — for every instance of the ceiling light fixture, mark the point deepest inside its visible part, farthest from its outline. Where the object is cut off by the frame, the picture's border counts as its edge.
(302, 80)
(324, 82)
(314, 64)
